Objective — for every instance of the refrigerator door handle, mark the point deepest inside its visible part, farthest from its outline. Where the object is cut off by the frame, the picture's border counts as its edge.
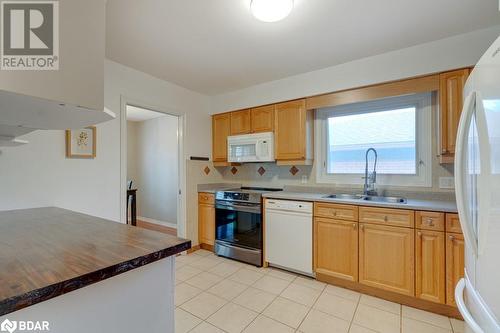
(460, 172)
(459, 299)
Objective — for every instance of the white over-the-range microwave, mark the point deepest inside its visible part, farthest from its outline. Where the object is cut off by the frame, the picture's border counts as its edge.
(257, 147)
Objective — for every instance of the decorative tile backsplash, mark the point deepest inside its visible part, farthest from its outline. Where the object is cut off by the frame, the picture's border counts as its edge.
(234, 170)
(206, 170)
(261, 171)
(294, 170)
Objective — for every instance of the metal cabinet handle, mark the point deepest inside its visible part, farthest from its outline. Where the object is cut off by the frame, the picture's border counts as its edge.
(419, 234)
(451, 237)
(444, 151)
(362, 227)
(354, 225)
(334, 213)
(386, 218)
(430, 221)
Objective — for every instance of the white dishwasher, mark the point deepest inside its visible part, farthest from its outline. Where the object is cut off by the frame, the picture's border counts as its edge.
(288, 235)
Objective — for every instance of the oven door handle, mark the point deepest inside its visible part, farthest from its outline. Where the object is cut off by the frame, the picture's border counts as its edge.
(239, 208)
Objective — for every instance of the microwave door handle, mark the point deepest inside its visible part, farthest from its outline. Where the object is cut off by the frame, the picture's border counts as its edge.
(257, 150)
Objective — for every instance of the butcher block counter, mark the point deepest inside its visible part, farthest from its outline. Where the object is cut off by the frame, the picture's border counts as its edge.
(49, 252)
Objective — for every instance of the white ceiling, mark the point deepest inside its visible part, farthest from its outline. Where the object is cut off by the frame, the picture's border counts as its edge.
(139, 114)
(217, 46)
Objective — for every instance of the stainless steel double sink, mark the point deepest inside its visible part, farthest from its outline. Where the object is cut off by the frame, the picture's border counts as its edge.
(360, 197)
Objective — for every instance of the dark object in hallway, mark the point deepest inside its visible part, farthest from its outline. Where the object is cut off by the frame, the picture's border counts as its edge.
(132, 202)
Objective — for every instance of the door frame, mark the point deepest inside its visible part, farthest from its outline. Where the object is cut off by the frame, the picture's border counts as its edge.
(181, 127)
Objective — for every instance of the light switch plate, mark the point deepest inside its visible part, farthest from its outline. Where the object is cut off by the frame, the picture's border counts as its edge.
(447, 182)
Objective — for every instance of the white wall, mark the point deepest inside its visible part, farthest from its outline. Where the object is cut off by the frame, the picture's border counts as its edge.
(450, 53)
(152, 164)
(132, 150)
(38, 174)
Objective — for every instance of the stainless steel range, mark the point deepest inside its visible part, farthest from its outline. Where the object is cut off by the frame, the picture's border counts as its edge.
(238, 224)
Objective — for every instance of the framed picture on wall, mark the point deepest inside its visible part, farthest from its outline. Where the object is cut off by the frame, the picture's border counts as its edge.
(81, 143)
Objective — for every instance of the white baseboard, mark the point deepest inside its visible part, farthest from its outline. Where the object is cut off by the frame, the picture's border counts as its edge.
(164, 223)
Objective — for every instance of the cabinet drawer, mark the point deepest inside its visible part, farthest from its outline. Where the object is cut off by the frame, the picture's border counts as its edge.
(341, 212)
(206, 198)
(429, 221)
(453, 223)
(386, 216)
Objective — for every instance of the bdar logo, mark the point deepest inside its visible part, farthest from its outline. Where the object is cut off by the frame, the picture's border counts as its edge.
(30, 35)
(8, 326)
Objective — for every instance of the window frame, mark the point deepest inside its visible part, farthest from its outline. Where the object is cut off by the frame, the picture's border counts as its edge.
(423, 176)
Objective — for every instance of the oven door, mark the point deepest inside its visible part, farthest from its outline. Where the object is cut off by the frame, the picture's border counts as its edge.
(238, 224)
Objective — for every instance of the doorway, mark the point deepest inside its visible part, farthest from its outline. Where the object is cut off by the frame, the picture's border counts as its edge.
(152, 168)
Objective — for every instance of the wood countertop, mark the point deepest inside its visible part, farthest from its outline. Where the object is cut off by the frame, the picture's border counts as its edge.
(47, 252)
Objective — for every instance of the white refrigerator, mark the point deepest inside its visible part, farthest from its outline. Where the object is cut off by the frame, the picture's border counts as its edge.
(477, 182)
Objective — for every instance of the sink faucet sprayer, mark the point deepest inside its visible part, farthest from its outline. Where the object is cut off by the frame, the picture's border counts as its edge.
(370, 179)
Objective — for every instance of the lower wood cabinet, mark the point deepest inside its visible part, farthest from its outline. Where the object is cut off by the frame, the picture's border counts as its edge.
(455, 264)
(336, 248)
(430, 265)
(383, 251)
(387, 258)
(206, 219)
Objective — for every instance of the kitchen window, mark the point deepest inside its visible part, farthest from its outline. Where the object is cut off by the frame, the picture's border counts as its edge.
(399, 128)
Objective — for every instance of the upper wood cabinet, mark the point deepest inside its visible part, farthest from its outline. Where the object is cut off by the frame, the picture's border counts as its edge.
(336, 248)
(451, 86)
(262, 119)
(293, 133)
(221, 129)
(387, 258)
(241, 122)
(455, 264)
(430, 265)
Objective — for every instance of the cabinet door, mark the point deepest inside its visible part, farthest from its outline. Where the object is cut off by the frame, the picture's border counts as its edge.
(387, 258)
(240, 122)
(206, 224)
(450, 104)
(430, 265)
(290, 130)
(454, 264)
(262, 119)
(336, 248)
(221, 125)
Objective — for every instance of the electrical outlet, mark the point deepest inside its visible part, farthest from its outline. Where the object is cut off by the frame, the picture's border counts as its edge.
(304, 179)
(447, 182)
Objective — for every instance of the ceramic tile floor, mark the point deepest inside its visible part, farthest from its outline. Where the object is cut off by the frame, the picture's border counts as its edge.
(214, 294)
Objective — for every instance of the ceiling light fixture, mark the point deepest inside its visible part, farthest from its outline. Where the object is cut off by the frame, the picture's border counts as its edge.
(271, 10)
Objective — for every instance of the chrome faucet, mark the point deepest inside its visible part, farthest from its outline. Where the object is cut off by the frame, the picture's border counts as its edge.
(370, 179)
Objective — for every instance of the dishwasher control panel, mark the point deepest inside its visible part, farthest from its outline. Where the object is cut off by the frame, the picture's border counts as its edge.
(287, 205)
